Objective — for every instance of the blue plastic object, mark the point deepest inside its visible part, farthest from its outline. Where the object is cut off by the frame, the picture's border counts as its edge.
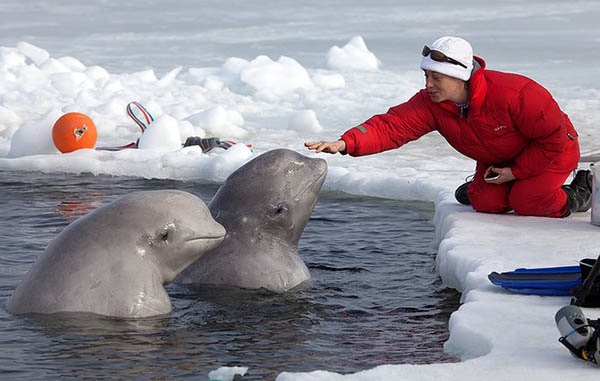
(549, 281)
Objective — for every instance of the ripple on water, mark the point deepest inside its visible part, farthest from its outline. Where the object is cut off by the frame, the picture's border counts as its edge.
(374, 297)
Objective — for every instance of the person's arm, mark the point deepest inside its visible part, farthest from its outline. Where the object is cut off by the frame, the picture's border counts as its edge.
(401, 124)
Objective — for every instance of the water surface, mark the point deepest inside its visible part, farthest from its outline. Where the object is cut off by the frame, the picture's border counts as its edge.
(374, 297)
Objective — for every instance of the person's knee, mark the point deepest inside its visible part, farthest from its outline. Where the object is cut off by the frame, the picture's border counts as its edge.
(550, 205)
(487, 201)
(487, 207)
(524, 208)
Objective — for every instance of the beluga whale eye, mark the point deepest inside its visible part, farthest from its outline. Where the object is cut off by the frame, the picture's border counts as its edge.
(164, 234)
(279, 209)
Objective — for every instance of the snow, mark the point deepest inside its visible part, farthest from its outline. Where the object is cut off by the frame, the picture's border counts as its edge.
(226, 373)
(272, 75)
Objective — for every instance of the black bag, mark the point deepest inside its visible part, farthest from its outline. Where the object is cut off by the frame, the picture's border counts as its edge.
(588, 294)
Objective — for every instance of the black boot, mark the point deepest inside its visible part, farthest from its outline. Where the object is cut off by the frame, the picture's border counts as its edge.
(461, 194)
(579, 192)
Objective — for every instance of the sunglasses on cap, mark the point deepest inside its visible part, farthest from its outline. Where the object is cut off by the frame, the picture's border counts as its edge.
(440, 57)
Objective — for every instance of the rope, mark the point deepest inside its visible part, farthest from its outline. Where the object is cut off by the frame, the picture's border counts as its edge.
(140, 115)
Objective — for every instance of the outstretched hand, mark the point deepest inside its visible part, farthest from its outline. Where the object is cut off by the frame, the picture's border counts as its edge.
(328, 147)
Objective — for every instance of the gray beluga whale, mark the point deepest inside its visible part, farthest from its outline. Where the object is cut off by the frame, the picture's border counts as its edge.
(115, 260)
(264, 206)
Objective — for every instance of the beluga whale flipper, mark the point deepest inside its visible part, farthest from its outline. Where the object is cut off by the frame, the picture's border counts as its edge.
(264, 206)
(116, 260)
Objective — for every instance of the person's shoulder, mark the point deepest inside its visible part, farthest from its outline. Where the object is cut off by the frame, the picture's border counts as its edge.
(503, 76)
(506, 82)
(517, 88)
(496, 75)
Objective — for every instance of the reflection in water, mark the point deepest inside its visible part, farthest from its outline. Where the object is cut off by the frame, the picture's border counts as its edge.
(373, 299)
(88, 346)
(210, 327)
(78, 205)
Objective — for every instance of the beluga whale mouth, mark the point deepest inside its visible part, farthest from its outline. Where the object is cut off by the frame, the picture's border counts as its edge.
(316, 183)
(264, 206)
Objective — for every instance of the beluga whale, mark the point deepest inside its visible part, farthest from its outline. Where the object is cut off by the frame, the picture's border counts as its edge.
(264, 206)
(115, 260)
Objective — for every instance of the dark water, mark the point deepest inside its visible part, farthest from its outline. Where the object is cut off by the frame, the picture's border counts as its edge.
(374, 298)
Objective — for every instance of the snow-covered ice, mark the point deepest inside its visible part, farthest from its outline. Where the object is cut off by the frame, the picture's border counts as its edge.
(277, 75)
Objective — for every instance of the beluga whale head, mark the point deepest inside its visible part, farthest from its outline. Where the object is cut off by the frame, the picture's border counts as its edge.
(264, 206)
(116, 260)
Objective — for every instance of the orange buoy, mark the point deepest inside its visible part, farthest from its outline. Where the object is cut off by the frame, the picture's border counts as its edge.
(74, 131)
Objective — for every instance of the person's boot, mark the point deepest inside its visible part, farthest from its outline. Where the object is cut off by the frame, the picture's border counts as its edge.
(579, 192)
(461, 194)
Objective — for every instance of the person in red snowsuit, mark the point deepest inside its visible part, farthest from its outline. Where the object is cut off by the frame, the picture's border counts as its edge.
(524, 145)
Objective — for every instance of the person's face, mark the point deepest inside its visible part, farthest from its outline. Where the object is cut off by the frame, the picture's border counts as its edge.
(441, 87)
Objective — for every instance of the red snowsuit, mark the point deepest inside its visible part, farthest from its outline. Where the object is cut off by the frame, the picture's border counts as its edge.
(512, 121)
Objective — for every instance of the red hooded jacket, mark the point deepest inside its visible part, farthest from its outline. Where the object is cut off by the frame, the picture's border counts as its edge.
(511, 121)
